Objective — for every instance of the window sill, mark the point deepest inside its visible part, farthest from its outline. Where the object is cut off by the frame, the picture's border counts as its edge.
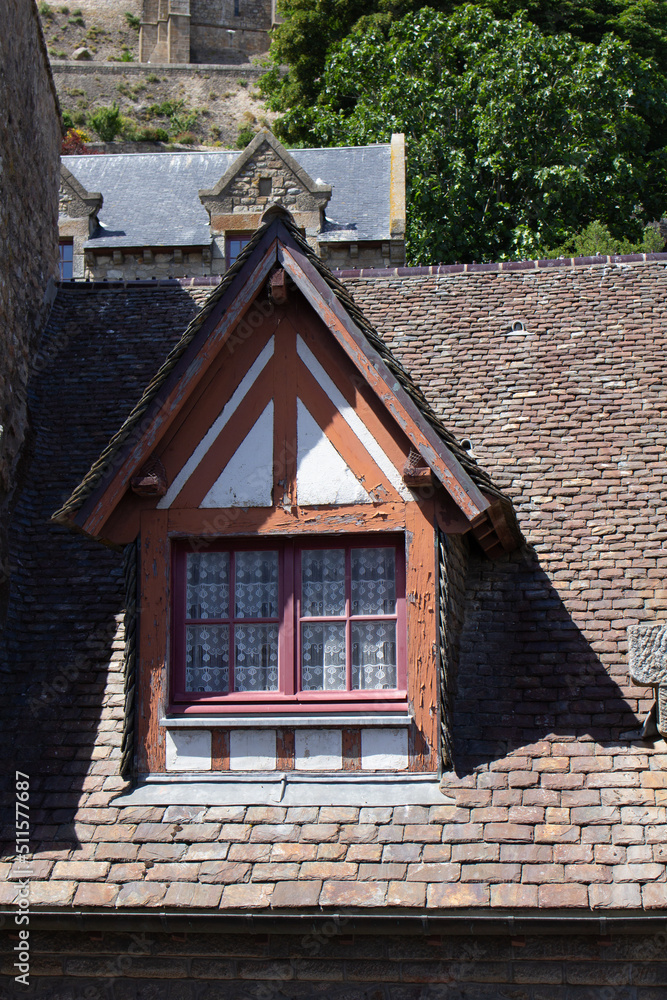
(271, 788)
(247, 721)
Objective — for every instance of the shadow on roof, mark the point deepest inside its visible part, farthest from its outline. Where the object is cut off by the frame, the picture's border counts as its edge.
(526, 670)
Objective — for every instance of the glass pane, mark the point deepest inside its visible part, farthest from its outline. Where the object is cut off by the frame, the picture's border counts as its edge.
(322, 583)
(207, 585)
(373, 582)
(256, 658)
(373, 655)
(207, 658)
(256, 585)
(323, 657)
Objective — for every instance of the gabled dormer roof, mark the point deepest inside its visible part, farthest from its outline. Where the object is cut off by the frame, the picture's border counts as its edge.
(79, 202)
(318, 189)
(278, 246)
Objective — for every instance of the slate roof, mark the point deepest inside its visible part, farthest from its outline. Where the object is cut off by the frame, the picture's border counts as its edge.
(559, 806)
(151, 199)
(105, 462)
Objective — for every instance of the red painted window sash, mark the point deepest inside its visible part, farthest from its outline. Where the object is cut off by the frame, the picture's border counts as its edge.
(289, 696)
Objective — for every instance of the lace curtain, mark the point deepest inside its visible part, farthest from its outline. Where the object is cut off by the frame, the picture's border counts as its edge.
(372, 588)
(255, 645)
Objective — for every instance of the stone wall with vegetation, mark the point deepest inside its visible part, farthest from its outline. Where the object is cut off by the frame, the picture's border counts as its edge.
(212, 104)
(29, 181)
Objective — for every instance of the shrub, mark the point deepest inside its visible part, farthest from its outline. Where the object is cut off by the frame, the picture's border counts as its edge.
(152, 135)
(77, 20)
(245, 136)
(153, 78)
(126, 56)
(132, 20)
(67, 121)
(186, 138)
(107, 122)
(73, 143)
(45, 10)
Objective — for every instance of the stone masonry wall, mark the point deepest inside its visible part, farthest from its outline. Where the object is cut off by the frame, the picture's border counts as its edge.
(28, 218)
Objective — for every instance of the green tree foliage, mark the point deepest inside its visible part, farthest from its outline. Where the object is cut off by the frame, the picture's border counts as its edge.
(515, 140)
(595, 238)
(312, 27)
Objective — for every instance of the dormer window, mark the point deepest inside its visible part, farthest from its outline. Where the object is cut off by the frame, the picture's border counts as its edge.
(288, 491)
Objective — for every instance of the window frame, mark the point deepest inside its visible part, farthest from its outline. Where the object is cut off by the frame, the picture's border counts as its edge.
(63, 263)
(288, 697)
(243, 238)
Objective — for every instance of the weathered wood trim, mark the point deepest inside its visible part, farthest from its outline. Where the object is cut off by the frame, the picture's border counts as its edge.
(334, 427)
(352, 749)
(205, 406)
(219, 749)
(227, 443)
(285, 749)
(422, 631)
(391, 438)
(292, 521)
(284, 416)
(373, 368)
(154, 619)
(182, 381)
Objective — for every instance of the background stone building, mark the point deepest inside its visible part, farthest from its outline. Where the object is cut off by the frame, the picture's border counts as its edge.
(205, 31)
(144, 215)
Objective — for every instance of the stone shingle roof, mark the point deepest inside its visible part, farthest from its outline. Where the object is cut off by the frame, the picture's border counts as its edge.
(152, 199)
(558, 806)
(105, 463)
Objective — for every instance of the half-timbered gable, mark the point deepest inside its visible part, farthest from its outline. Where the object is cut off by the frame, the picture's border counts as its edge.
(286, 484)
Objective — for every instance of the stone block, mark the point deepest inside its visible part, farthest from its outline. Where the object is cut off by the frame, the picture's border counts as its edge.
(557, 896)
(513, 895)
(187, 894)
(247, 896)
(647, 653)
(384, 749)
(252, 750)
(444, 894)
(619, 896)
(224, 871)
(295, 895)
(137, 894)
(95, 894)
(353, 893)
(318, 750)
(406, 894)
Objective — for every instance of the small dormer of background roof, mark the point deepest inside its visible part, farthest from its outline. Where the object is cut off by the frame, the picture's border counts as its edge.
(75, 201)
(232, 207)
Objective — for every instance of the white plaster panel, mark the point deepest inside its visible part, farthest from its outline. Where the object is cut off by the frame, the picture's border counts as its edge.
(252, 750)
(384, 749)
(354, 422)
(228, 411)
(247, 479)
(318, 750)
(322, 475)
(188, 751)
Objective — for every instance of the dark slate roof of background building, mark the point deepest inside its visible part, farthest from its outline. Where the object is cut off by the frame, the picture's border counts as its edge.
(152, 199)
